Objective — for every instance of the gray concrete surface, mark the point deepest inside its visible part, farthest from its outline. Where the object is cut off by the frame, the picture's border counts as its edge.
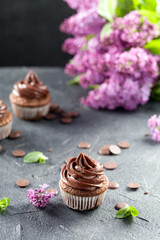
(140, 163)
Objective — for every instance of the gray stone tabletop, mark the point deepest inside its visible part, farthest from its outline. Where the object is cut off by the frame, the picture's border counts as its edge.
(140, 163)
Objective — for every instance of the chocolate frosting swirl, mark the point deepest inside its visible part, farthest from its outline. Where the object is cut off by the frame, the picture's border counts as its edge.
(83, 173)
(3, 108)
(31, 87)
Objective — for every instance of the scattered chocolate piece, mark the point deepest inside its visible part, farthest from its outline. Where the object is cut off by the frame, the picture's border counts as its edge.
(18, 153)
(22, 183)
(1, 148)
(73, 114)
(134, 185)
(84, 145)
(49, 149)
(147, 134)
(67, 159)
(53, 107)
(15, 134)
(146, 192)
(110, 165)
(52, 190)
(121, 205)
(114, 149)
(124, 144)
(104, 150)
(66, 115)
(113, 185)
(58, 110)
(50, 116)
(66, 120)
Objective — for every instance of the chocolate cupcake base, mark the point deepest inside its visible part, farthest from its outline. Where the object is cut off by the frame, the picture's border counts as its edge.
(83, 202)
(30, 113)
(5, 130)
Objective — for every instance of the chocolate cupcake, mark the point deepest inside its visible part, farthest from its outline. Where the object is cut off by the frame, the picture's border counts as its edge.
(30, 98)
(5, 121)
(83, 184)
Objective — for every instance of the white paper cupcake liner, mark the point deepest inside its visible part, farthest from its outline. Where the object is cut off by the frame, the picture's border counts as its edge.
(82, 203)
(5, 130)
(28, 113)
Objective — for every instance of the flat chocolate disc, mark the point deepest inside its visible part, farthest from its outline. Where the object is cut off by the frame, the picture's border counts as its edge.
(114, 149)
(124, 144)
(66, 120)
(121, 205)
(15, 134)
(50, 116)
(84, 145)
(104, 150)
(110, 165)
(134, 185)
(113, 185)
(52, 190)
(18, 153)
(22, 183)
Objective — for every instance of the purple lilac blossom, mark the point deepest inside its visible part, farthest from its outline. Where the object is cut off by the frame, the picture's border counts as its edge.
(39, 197)
(81, 4)
(154, 125)
(83, 23)
(118, 63)
(74, 45)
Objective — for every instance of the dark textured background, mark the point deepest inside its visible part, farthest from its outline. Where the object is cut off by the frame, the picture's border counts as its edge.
(29, 32)
(140, 163)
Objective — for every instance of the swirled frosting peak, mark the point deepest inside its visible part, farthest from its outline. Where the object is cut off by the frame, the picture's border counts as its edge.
(3, 108)
(31, 87)
(83, 173)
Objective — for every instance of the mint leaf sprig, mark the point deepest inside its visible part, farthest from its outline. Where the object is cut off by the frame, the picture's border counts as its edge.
(127, 211)
(4, 202)
(34, 157)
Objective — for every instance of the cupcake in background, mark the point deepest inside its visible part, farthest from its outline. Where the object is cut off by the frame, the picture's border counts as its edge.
(5, 121)
(83, 184)
(30, 98)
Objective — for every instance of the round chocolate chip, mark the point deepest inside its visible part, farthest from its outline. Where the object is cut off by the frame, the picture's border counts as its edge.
(1, 148)
(134, 185)
(73, 114)
(50, 116)
(53, 107)
(18, 153)
(66, 120)
(22, 183)
(52, 190)
(110, 165)
(121, 205)
(15, 134)
(114, 149)
(84, 145)
(113, 185)
(104, 150)
(124, 144)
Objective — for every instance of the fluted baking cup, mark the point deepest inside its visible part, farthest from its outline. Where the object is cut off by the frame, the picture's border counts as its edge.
(82, 203)
(28, 113)
(5, 130)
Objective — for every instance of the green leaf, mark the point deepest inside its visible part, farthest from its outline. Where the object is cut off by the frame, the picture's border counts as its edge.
(155, 93)
(124, 7)
(4, 202)
(75, 80)
(106, 9)
(153, 46)
(133, 211)
(153, 17)
(123, 212)
(34, 157)
(93, 86)
(106, 31)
